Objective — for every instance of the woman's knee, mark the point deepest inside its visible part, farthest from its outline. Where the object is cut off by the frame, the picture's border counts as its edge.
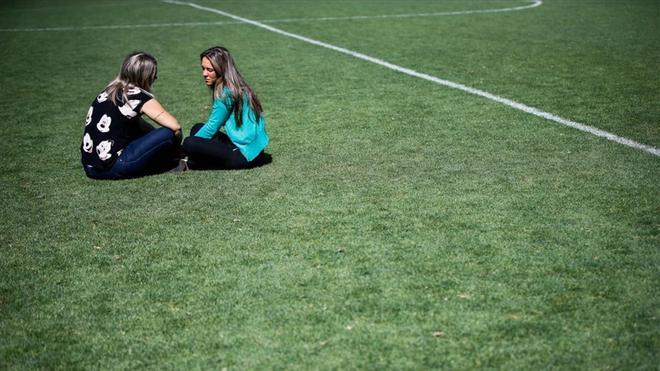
(164, 134)
(188, 144)
(196, 128)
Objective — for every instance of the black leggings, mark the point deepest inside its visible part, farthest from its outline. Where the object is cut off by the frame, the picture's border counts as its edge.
(218, 152)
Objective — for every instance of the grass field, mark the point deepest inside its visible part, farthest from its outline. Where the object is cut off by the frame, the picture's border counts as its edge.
(401, 225)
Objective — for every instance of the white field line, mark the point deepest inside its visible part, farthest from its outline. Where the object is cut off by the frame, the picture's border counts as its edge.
(88, 5)
(116, 27)
(534, 4)
(507, 102)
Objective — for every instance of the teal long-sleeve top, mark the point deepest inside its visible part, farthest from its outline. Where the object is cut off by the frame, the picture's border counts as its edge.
(250, 138)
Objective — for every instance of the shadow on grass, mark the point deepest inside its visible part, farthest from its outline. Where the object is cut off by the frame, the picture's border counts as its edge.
(176, 167)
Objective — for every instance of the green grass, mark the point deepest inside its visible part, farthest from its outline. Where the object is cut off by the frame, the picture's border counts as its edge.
(401, 225)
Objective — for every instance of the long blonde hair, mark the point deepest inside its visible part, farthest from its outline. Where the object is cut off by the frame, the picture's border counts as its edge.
(228, 76)
(139, 69)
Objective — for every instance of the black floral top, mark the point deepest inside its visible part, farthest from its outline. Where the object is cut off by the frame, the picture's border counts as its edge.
(109, 127)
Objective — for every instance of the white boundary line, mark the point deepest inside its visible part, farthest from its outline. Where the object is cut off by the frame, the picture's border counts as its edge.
(534, 4)
(88, 5)
(115, 27)
(507, 102)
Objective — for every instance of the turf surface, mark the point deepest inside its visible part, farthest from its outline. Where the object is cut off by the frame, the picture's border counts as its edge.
(401, 224)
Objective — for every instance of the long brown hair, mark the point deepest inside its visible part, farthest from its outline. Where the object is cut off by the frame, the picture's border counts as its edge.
(228, 76)
(139, 69)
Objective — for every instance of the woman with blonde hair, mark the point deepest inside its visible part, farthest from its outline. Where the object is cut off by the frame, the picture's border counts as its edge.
(117, 143)
(237, 110)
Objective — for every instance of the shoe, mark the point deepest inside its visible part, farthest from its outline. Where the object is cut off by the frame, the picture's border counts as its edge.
(181, 166)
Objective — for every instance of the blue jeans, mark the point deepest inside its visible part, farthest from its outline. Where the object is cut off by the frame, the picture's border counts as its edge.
(149, 154)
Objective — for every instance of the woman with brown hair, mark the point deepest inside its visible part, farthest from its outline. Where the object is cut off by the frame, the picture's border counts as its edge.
(237, 110)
